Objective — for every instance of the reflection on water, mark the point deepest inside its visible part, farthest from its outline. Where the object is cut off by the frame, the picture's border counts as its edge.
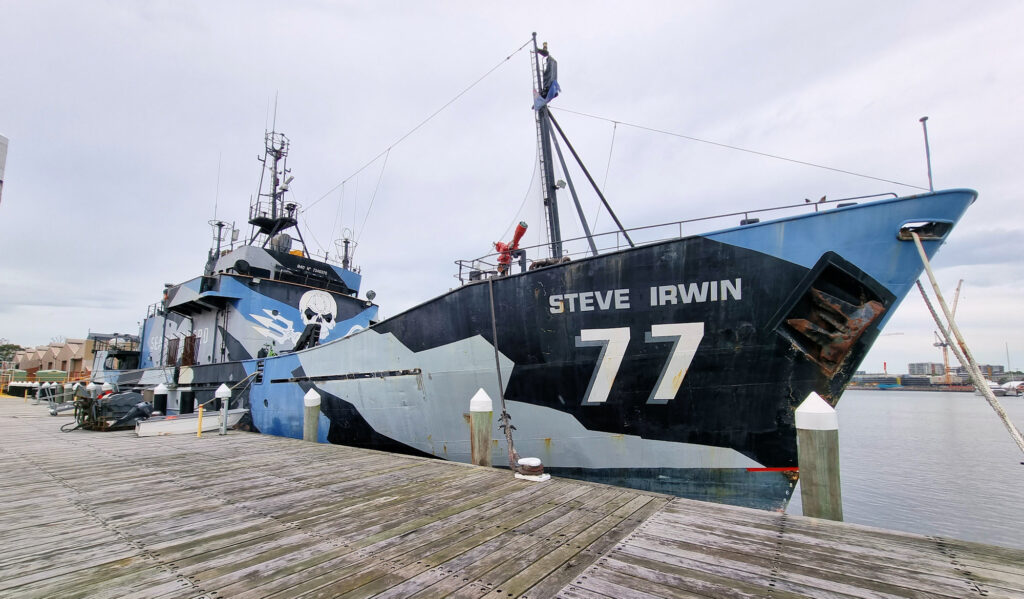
(931, 463)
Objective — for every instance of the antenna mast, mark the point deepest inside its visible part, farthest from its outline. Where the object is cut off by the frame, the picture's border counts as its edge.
(547, 168)
(269, 214)
(927, 151)
(547, 89)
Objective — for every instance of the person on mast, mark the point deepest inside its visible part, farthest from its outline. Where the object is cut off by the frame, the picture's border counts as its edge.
(549, 87)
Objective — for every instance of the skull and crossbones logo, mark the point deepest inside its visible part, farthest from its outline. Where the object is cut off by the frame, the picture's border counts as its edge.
(319, 307)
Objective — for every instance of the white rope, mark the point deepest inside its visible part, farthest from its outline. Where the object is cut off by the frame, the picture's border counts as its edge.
(960, 349)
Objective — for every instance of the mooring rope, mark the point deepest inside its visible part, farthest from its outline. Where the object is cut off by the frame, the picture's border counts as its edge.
(233, 387)
(506, 418)
(960, 349)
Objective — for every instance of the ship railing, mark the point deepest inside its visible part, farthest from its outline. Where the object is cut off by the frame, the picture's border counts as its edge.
(155, 309)
(262, 207)
(116, 344)
(487, 266)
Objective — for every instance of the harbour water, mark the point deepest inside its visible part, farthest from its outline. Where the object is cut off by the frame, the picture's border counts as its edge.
(931, 463)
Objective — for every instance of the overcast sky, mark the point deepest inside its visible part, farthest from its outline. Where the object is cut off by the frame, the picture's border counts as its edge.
(130, 123)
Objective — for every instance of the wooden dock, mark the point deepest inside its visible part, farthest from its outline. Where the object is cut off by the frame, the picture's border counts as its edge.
(88, 514)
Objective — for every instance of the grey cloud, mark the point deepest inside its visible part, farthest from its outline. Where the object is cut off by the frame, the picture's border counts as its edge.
(119, 114)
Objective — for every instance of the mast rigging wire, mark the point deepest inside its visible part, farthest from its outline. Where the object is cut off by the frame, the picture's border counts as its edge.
(337, 213)
(607, 168)
(529, 188)
(313, 235)
(739, 149)
(380, 178)
(417, 127)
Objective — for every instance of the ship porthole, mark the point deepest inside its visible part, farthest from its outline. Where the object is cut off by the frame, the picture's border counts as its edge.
(266, 403)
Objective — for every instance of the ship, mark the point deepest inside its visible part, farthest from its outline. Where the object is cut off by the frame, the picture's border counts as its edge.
(672, 364)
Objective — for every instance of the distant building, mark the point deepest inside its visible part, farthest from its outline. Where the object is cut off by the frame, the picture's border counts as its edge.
(69, 355)
(989, 370)
(925, 368)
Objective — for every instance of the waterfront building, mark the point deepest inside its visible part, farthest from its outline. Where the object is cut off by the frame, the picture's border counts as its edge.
(925, 368)
(990, 371)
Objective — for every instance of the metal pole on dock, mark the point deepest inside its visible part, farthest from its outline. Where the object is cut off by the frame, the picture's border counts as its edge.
(481, 418)
(310, 415)
(817, 434)
(223, 393)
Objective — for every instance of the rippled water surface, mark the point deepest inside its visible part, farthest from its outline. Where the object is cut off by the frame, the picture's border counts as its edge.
(931, 463)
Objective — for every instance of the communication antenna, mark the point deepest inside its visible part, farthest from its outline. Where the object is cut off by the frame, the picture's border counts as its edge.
(927, 152)
(346, 248)
(216, 193)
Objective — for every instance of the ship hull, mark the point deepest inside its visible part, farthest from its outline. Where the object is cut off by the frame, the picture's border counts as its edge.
(674, 366)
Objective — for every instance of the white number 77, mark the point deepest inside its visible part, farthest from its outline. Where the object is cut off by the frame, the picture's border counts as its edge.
(686, 336)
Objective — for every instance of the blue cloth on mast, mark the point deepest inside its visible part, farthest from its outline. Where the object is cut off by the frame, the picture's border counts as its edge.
(553, 90)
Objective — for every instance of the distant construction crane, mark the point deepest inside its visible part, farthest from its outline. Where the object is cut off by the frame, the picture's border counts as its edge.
(940, 342)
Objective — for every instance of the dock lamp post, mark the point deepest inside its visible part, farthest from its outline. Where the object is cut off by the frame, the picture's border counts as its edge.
(223, 393)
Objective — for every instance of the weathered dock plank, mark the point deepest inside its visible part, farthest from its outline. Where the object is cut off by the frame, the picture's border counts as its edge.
(89, 514)
(721, 551)
(109, 514)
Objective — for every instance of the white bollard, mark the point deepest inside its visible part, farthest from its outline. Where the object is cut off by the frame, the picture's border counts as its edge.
(817, 433)
(481, 418)
(223, 393)
(310, 415)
